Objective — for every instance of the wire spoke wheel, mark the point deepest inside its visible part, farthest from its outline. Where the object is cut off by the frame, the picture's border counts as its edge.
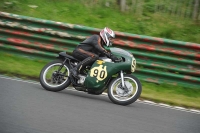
(54, 76)
(122, 96)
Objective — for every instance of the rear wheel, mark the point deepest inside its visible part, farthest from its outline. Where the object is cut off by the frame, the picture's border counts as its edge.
(54, 77)
(121, 96)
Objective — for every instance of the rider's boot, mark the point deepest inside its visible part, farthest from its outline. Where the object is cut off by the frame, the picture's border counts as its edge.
(76, 70)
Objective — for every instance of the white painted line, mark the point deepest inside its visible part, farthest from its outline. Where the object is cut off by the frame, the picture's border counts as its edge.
(194, 110)
(105, 94)
(21, 80)
(164, 105)
(138, 100)
(149, 102)
(181, 108)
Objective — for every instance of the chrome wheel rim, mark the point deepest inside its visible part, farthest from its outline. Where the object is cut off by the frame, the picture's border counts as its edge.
(119, 94)
(54, 79)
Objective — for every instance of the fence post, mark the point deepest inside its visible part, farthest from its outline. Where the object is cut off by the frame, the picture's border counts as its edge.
(123, 5)
(196, 9)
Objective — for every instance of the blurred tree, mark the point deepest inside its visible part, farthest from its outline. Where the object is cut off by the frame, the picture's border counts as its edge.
(196, 9)
(122, 4)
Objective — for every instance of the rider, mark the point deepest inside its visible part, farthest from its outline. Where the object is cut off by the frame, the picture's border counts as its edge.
(89, 50)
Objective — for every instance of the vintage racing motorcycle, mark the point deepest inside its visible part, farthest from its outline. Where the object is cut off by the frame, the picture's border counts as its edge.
(122, 86)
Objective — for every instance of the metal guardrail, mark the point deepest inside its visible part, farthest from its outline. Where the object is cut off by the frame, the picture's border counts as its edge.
(159, 60)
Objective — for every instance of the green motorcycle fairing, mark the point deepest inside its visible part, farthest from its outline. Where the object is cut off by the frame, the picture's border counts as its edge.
(101, 71)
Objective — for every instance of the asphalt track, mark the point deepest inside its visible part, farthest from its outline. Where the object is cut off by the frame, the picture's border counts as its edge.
(25, 107)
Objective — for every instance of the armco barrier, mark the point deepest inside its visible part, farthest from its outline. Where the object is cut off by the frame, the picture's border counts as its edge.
(158, 60)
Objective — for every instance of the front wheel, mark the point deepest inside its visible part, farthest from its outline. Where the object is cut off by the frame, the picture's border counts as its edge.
(54, 76)
(124, 97)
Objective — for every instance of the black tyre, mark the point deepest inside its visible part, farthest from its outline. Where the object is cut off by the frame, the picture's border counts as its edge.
(118, 96)
(51, 79)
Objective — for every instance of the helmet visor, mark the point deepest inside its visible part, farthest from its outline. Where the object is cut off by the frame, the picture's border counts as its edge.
(109, 36)
(111, 40)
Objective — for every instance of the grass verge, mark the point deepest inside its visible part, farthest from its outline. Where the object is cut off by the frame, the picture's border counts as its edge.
(26, 68)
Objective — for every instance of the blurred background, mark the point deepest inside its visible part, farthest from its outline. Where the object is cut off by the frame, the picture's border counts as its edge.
(172, 19)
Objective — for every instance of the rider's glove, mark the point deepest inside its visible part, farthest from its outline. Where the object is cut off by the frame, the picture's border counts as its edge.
(115, 59)
(108, 54)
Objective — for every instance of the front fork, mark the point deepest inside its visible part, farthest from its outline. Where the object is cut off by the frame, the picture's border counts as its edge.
(122, 80)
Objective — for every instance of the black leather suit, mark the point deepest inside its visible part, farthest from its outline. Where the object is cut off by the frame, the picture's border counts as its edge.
(89, 50)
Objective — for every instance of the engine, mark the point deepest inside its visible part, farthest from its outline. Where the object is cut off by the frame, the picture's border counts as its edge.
(81, 79)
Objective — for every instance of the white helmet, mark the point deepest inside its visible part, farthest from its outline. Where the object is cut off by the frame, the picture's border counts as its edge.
(105, 34)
